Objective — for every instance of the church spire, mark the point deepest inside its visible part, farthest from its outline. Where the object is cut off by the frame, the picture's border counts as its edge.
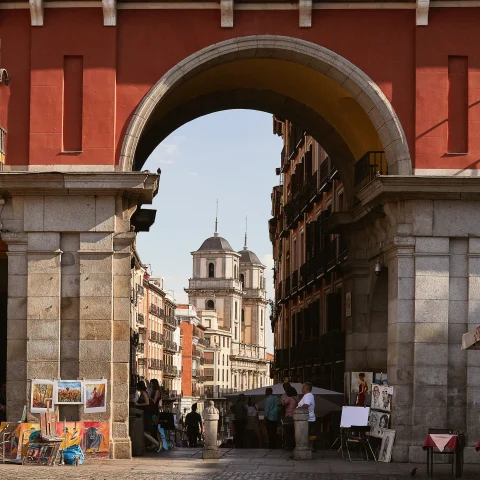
(216, 222)
(246, 228)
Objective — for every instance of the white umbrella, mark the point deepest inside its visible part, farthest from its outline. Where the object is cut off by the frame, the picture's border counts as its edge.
(326, 401)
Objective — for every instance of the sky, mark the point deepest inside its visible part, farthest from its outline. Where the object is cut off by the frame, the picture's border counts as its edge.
(230, 156)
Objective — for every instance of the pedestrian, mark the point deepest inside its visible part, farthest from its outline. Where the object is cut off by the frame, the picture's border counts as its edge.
(240, 421)
(252, 429)
(156, 394)
(146, 404)
(308, 401)
(290, 402)
(271, 417)
(193, 422)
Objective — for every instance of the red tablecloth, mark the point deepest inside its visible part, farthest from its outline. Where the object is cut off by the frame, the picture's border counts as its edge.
(477, 448)
(429, 442)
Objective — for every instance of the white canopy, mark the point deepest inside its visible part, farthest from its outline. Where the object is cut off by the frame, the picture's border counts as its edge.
(326, 401)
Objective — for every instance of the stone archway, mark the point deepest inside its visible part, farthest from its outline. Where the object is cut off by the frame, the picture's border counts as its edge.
(316, 58)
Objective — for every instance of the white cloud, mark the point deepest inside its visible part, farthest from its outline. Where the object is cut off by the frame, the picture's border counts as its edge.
(170, 148)
(193, 174)
(166, 162)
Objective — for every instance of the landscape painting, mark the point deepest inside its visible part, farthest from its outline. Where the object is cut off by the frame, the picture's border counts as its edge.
(42, 392)
(69, 392)
(96, 439)
(95, 396)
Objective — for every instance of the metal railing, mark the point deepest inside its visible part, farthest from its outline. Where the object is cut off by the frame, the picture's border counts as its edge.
(170, 370)
(367, 168)
(140, 290)
(141, 319)
(171, 346)
(170, 321)
(194, 372)
(140, 348)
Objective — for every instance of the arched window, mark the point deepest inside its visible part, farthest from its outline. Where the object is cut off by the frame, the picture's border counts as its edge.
(210, 305)
(211, 270)
(235, 271)
(242, 279)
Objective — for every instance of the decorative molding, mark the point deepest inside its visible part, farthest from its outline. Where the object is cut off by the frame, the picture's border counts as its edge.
(226, 13)
(109, 8)
(36, 13)
(305, 13)
(422, 12)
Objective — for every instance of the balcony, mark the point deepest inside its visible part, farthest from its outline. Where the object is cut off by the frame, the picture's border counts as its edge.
(141, 319)
(294, 282)
(155, 364)
(284, 160)
(336, 252)
(170, 346)
(302, 279)
(217, 392)
(141, 348)
(171, 321)
(204, 342)
(243, 350)
(194, 372)
(281, 359)
(214, 283)
(287, 288)
(155, 310)
(373, 163)
(170, 370)
(140, 290)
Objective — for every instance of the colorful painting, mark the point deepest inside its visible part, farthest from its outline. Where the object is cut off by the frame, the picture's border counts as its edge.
(378, 422)
(71, 431)
(96, 439)
(387, 446)
(95, 396)
(382, 398)
(380, 379)
(20, 438)
(42, 392)
(69, 392)
(361, 384)
(7, 431)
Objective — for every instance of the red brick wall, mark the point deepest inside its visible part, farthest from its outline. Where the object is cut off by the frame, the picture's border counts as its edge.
(186, 330)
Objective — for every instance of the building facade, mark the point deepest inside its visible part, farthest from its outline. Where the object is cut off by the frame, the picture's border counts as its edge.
(228, 288)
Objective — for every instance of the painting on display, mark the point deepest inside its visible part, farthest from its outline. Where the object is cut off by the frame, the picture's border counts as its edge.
(360, 387)
(387, 446)
(96, 439)
(380, 379)
(382, 398)
(378, 422)
(95, 396)
(346, 388)
(71, 431)
(19, 439)
(42, 393)
(7, 430)
(69, 392)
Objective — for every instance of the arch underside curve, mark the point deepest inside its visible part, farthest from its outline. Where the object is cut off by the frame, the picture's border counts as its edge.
(319, 59)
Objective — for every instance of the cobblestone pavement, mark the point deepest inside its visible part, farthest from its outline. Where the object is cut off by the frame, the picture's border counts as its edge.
(185, 464)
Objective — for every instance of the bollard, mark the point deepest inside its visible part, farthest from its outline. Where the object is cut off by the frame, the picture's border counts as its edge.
(302, 449)
(210, 423)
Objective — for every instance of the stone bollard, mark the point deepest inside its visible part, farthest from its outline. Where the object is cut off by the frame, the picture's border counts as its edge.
(210, 423)
(302, 449)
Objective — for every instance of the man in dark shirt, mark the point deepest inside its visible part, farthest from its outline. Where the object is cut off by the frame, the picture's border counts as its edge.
(194, 426)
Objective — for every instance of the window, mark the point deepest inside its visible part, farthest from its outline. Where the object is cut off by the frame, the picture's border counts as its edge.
(211, 270)
(236, 310)
(236, 333)
(235, 381)
(223, 375)
(228, 343)
(242, 280)
(235, 271)
(261, 318)
(210, 305)
(223, 359)
(227, 375)
(223, 341)
(243, 315)
(218, 359)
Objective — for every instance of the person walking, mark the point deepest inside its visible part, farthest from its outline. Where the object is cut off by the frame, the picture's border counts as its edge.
(145, 403)
(308, 401)
(252, 430)
(290, 402)
(271, 417)
(193, 422)
(240, 421)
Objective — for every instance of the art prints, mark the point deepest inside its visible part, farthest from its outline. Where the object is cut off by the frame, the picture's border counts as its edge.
(387, 446)
(381, 398)
(71, 431)
(346, 388)
(41, 454)
(380, 379)
(42, 392)
(378, 422)
(96, 439)
(69, 392)
(360, 387)
(8, 431)
(95, 396)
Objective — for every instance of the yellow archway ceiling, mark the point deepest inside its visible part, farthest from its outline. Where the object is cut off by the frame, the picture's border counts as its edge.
(307, 86)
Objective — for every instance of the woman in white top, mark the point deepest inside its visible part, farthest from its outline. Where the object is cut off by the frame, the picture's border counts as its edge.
(252, 430)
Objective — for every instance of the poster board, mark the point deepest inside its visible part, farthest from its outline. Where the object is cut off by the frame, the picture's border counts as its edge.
(356, 416)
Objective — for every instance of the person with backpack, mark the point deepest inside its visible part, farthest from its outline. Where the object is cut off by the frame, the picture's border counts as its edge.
(240, 421)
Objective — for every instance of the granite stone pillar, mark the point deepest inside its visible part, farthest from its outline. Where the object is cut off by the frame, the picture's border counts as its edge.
(210, 423)
(302, 449)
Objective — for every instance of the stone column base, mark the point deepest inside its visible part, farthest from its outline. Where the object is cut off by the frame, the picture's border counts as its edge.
(120, 448)
(302, 453)
(211, 453)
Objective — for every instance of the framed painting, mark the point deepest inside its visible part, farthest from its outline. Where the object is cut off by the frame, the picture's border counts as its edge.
(387, 446)
(382, 398)
(361, 388)
(69, 392)
(378, 422)
(41, 393)
(71, 432)
(95, 396)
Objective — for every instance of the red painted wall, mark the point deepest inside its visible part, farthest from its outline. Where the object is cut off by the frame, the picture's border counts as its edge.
(122, 63)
